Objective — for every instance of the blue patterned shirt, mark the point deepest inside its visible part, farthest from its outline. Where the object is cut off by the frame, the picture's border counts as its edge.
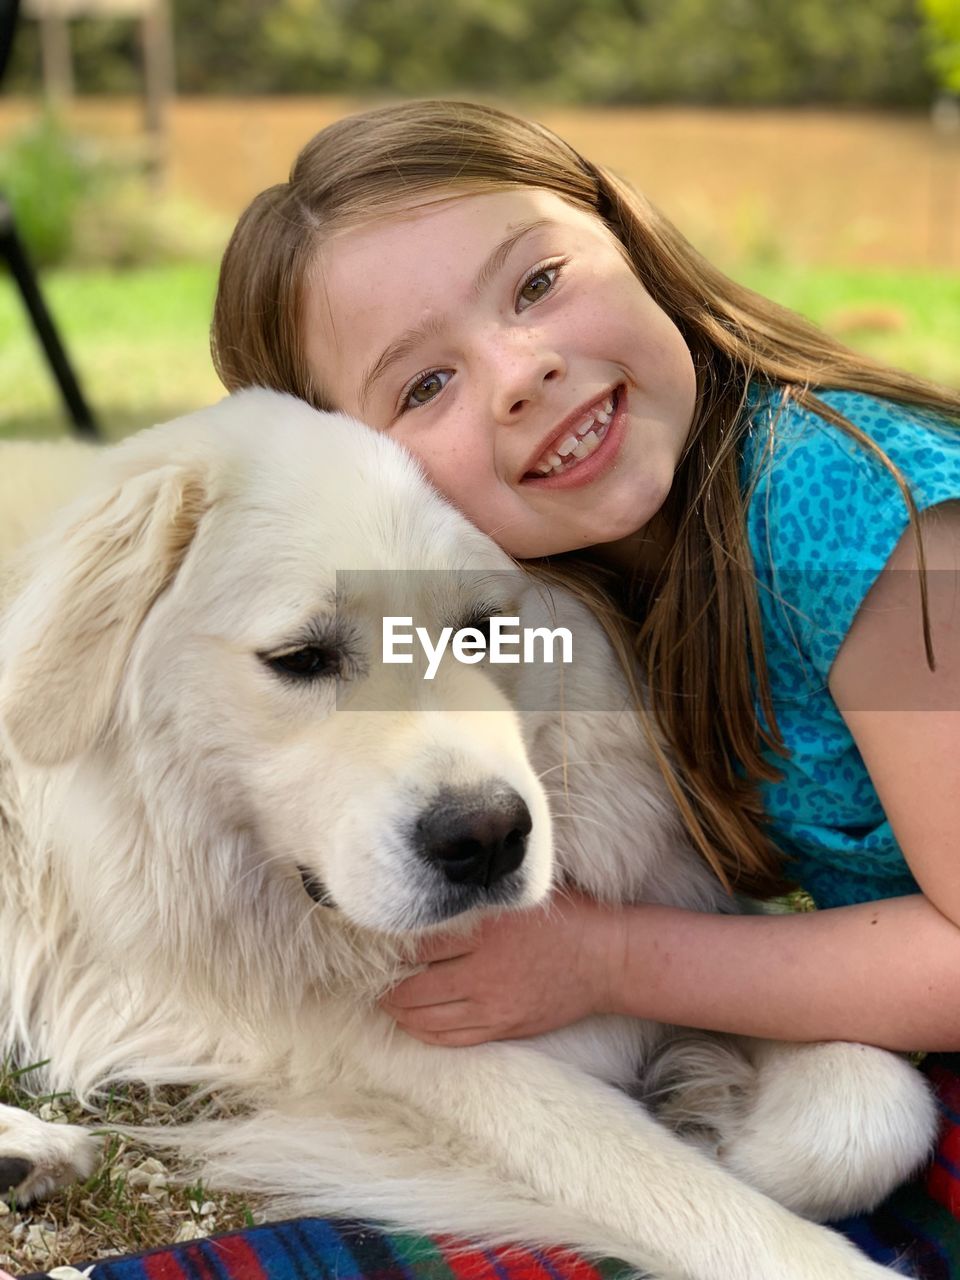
(822, 520)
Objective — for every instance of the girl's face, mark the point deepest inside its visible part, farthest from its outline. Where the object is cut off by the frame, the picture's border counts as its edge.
(504, 339)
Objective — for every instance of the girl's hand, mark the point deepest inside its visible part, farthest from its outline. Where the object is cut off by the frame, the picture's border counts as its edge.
(519, 973)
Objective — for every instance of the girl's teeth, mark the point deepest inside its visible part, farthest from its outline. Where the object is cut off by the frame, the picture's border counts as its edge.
(584, 447)
(577, 447)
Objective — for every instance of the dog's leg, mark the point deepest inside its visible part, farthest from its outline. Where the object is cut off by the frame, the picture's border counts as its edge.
(346, 1153)
(583, 1147)
(829, 1129)
(37, 1157)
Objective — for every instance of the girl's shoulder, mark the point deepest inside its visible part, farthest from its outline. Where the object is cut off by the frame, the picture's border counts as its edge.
(824, 511)
(826, 484)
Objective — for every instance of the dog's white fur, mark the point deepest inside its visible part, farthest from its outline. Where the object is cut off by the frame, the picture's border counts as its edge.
(161, 786)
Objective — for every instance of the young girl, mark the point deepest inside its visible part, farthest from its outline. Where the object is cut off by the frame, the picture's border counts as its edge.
(777, 517)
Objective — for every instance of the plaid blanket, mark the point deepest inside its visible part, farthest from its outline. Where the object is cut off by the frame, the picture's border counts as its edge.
(323, 1249)
(916, 1232)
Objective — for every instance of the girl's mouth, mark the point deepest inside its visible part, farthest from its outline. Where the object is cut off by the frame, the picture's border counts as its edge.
(585, 452)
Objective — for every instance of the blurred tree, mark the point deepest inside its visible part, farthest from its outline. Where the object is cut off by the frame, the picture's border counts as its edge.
(605, 51)
(761, 52)
(220, 46)
(943, 37)
(407, 46)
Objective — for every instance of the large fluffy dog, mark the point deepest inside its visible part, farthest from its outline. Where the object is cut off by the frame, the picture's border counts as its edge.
(222, 821)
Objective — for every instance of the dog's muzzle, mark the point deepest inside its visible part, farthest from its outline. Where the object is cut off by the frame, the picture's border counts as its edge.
(474, 837)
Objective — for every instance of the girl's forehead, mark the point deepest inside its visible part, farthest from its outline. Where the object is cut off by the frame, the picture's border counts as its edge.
(449, 210)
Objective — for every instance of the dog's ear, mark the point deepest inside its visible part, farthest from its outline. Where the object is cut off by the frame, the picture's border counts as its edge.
(67, 634)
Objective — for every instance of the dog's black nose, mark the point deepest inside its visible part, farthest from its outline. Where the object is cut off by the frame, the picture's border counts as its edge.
(475, 837)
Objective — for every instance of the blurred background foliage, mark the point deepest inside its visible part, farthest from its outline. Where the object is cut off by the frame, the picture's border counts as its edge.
(793, 143)
(81, 201)
(867, 52)
(942, 35)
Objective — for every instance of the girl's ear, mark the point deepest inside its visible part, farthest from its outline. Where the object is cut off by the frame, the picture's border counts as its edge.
(65, 637)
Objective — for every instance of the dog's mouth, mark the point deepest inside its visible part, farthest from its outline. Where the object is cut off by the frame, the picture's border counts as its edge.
(463, 849)
(448, 903)
(315, 887)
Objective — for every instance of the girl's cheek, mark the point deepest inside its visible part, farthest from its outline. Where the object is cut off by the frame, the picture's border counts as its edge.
(449, 453)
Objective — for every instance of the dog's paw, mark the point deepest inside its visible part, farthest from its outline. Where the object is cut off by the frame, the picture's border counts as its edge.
(832, 1128)
(38, 1158)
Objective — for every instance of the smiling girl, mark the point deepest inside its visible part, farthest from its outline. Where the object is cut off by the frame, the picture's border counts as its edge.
(577, 379)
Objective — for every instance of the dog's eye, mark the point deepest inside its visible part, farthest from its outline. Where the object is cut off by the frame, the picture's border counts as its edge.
(480, 621)
(312, 662)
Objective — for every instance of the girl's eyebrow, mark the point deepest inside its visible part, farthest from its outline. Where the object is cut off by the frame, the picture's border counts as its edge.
(411, 338)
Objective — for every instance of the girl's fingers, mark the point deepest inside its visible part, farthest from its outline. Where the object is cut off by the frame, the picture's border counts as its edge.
(459, 1039)
(436, 985)
(442, 946)
(456, 1015)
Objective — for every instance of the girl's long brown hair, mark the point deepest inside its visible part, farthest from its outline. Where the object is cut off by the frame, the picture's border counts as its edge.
(697, 629)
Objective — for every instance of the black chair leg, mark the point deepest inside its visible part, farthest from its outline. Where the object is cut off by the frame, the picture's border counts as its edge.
(12, 250)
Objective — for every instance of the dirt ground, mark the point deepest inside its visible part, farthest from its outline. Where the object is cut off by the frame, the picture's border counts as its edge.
(817, 186)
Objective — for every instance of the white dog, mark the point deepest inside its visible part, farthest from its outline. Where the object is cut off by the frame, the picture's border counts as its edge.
(223, 822)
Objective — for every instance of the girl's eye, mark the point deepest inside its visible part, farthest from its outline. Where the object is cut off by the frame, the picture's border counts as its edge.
(426, 387)
(539, 283)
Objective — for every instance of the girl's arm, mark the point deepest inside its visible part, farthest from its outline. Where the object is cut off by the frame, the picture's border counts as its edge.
(885, 973)
(904, 717)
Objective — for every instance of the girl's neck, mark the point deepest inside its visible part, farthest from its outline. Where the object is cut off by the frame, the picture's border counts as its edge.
(641, 554)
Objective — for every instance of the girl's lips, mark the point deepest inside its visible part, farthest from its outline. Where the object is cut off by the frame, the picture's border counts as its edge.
(589, 468)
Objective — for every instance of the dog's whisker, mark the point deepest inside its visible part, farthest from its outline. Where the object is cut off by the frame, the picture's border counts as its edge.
(261, 864)
(571, 763)
(572, 816)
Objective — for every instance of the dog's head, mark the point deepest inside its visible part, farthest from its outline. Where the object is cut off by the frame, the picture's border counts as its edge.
(185, 649)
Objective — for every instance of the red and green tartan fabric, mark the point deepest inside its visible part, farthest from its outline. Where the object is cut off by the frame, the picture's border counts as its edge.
(916, 1232)
(324, 1249)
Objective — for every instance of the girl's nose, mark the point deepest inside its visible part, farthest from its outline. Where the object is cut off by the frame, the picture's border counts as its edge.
(522, 369)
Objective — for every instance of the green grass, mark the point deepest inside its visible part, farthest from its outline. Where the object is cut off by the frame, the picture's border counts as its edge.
(133, 1200)
(139, 339)
(910, 319)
